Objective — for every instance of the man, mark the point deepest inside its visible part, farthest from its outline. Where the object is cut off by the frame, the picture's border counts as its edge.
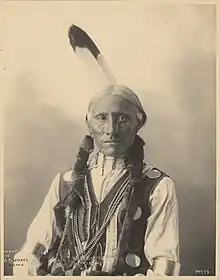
(111, 214)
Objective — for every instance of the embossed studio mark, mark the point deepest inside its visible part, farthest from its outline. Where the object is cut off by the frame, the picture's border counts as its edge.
(15, 262)
(202, 272)
(11, 261)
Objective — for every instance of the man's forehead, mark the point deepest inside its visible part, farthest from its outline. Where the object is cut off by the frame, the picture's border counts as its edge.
(111, 104)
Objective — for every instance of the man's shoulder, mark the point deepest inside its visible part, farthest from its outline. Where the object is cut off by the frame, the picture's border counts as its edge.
(65, 184)
(155, 178)
(152, 172)
(66, 175)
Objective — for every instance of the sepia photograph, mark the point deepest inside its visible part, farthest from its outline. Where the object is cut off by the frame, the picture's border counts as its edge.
(109, 164)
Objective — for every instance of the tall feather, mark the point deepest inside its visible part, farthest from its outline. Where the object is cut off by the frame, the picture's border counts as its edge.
(88, 51)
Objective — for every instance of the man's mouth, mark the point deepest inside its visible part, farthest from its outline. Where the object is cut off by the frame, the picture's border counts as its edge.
(112, 141)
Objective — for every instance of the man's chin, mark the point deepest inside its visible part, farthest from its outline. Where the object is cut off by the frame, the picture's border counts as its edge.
(112, 151)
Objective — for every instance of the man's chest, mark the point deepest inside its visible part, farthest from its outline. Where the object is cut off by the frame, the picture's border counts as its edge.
(102, 182)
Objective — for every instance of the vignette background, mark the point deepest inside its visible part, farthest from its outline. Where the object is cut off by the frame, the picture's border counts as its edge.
(165, 52)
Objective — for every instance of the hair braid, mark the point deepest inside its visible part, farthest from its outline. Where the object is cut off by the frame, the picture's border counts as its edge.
(134, 159)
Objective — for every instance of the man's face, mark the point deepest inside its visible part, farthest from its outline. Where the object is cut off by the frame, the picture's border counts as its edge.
(113, 125)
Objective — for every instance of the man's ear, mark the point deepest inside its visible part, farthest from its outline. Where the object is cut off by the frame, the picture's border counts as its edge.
(87, 120)
(138, 127)
(88, 124)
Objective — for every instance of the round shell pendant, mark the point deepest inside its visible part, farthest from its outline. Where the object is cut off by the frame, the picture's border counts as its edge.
(137, 214)
(153, 173)
(132, 260)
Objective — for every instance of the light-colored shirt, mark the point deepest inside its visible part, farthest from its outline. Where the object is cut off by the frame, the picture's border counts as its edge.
(161, 236)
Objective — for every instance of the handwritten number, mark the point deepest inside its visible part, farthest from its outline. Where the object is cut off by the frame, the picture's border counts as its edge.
(202, 272)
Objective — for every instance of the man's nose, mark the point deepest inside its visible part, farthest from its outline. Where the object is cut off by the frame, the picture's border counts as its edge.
(111, 127)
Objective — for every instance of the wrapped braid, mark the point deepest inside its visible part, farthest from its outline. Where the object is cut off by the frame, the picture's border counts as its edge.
(79, 168)
(134, 159)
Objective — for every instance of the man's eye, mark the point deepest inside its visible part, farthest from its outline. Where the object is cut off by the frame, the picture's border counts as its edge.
(122, 118)
(101, 117)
